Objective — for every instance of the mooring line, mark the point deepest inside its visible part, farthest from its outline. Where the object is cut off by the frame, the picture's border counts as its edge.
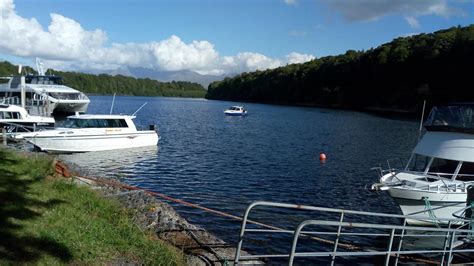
(63, 170)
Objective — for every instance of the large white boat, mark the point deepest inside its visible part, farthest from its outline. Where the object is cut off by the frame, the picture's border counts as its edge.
(84, 133)
(15, 119)
(44, 94)
(441, 169)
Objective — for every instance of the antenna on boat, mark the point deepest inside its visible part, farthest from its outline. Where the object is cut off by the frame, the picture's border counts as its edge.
(22, 86)
(112, 106)
(139, 109)
(421, 121)
(39, 66)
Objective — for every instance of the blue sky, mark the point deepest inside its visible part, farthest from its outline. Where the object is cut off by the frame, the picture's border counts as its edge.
(210, 36)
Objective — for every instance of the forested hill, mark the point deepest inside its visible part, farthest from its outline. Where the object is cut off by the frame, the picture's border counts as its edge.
(397, 76)
(122, 85)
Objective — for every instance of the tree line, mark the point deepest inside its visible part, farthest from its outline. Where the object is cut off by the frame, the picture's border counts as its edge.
(396, 76)
(104, 84)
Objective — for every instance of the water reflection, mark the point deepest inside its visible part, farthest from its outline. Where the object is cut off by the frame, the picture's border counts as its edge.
(114, 163)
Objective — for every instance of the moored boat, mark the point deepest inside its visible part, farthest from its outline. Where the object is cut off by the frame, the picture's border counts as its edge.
(85, 133)
(440, 171)
(44, 94)
(15, 119)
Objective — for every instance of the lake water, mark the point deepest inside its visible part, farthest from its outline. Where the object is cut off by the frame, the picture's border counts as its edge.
(224, 163)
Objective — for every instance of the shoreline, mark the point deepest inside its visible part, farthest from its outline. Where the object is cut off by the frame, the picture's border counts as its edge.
(150, 213)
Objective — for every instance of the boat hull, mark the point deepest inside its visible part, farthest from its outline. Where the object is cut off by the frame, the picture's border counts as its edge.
(442, 205)
(235, 114)
(87, 143)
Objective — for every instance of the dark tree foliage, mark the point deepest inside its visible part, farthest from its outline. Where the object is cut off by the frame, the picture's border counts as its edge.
(395, 76)
(122, 85)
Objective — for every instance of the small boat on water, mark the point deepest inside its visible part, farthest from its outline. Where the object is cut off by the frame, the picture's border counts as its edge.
(440, 171)
(236, 111)
(16, 119)
(85, 133)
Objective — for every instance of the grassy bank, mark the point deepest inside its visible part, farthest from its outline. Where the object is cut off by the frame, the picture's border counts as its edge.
(45, 220)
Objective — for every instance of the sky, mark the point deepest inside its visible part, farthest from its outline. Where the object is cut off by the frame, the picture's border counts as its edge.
(210, 36)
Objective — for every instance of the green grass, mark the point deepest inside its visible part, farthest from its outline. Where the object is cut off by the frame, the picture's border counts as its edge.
(52, 221)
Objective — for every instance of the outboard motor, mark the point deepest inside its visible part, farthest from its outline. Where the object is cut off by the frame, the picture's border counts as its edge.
(469, 201)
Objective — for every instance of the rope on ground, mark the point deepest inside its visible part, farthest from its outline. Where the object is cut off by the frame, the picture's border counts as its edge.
(61, 169)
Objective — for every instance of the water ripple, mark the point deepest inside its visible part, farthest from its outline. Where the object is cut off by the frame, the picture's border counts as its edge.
(227, 162)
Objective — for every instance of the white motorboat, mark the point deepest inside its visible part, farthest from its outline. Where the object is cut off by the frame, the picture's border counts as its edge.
(438, 175)
(236, 111)
(84, 133)
(44, 94)
(15, 119)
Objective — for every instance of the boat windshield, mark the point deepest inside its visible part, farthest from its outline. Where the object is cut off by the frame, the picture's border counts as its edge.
(94, 123)
(438, 167)
(457, 118)
(418, 163)
(66, 96)
(48, 80)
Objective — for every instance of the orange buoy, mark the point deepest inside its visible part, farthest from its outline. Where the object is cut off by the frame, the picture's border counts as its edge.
(322, 157)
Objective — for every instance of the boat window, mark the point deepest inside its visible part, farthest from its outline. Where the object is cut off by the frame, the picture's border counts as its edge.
(451, 118)
(15, 82)
(418, 163)
(7, 115)
(65, 96)
(1, 115)
(466, 173)
(16, 115)
(94, 123)
(443, 167)
(117, 123)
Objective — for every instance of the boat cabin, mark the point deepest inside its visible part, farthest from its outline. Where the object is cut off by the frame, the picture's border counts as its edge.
(237, 108)
(447, 148)
(99, 121)
(8, 112)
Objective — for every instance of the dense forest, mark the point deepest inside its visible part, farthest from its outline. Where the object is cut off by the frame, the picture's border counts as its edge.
(107, 84)
(395, 76)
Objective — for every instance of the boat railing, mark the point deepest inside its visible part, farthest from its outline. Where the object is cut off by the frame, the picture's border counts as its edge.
(13, 129)
(339, 236)
(14, 100)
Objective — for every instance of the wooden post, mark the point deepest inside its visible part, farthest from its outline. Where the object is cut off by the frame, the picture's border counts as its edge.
(4, 133)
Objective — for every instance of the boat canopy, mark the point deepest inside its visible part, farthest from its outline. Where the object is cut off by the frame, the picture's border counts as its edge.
(454, 118)
(447, 145)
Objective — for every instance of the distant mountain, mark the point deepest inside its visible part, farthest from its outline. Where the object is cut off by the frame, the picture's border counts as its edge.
(167, 76)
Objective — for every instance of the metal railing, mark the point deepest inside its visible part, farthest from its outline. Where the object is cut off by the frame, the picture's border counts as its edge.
(347, 230)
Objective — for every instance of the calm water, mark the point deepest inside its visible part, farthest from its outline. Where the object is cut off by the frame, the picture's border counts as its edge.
(225, 163)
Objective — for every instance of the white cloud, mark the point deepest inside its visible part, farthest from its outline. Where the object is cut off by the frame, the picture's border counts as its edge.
(296, 58)
(413, 22)
(366, 10)
(249, 62)
(290, 2)
(66, 45)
